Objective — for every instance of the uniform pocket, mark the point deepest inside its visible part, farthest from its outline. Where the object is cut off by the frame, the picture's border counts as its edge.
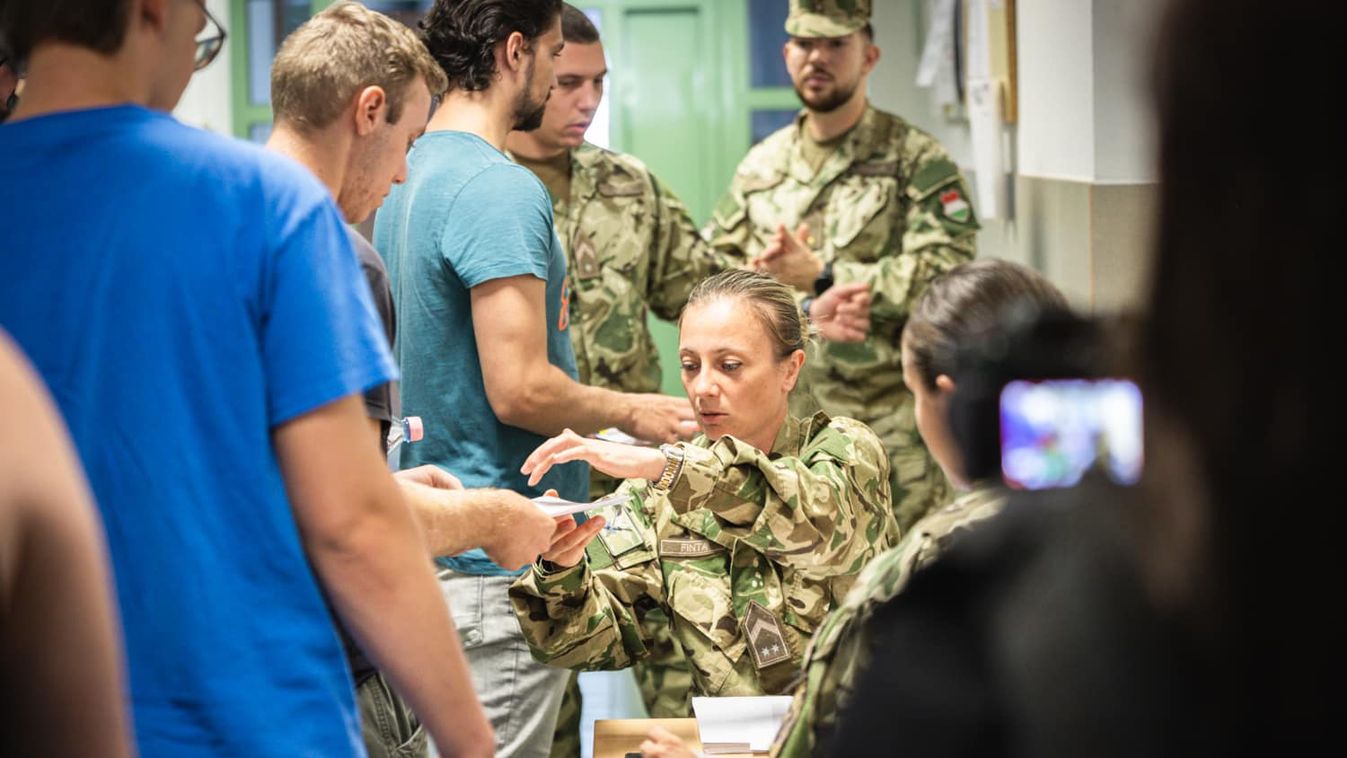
(856, 204)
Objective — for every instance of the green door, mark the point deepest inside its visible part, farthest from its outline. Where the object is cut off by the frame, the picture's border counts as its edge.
(694, 83)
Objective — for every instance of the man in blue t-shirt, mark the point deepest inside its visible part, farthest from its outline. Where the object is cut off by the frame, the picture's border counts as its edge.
(479, 282)
(350, 90)
(195, 308)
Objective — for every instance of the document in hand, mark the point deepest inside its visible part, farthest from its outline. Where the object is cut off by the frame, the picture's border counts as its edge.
(739, 724)
(555, 506)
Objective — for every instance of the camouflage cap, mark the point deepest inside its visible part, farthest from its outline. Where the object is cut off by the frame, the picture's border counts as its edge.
(826, 18)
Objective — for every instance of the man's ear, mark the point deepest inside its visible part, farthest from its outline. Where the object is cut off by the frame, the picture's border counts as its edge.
(371, 107)
(516, 50)
(871, 55)
(152, 14)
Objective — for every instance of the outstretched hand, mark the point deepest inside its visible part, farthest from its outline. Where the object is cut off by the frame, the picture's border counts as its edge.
(612, 458)
(570, 540)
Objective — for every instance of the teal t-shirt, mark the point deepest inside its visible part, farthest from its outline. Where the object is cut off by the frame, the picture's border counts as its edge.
(467, 215)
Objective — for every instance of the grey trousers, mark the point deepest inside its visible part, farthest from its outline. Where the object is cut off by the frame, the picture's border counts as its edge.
(521, 696)
(389, 727)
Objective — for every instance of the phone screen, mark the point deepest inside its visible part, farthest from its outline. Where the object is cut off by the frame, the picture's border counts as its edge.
(1053, 431)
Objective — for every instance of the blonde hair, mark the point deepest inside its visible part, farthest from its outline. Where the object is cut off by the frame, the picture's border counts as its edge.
(337, 53)
(772, 301)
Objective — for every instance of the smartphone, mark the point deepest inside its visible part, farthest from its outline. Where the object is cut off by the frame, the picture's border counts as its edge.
(1053, 431)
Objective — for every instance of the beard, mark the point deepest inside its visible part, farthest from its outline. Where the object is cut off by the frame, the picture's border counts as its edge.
(528, 112)
(829, 101)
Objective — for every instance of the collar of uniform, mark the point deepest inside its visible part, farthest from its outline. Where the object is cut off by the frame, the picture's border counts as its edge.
(858, 145)
(586, 162)
(795, 434)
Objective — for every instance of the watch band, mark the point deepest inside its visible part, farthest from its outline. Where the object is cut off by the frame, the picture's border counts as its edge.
(673, 466)
(825, 279)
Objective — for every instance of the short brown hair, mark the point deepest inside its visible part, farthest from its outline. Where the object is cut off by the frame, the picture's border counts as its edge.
(337, 53)
(773, 302)
(99, 25)
(968, 301)
(576, 28)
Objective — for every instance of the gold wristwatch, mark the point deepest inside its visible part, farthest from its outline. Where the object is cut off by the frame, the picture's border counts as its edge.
(673, 466)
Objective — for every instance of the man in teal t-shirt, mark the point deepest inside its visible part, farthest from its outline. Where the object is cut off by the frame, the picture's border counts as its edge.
(479, 284)
(468, 217)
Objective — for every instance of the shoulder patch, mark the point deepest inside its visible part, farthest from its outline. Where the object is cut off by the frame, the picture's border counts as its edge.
(933, 176)
(729, 211)
(756, 182)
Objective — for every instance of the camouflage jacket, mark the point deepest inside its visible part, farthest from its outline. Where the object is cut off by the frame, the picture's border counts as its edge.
(746, 553)
(630, 247)
(889, 208)
(840, 647)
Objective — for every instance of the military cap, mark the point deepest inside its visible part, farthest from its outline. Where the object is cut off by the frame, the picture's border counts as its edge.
(826, 18)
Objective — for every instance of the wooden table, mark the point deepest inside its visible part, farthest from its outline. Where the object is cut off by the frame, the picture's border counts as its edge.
(614, 738)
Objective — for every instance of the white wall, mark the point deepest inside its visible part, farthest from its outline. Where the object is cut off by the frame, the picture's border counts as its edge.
(207, 102)
(1081, 150)
(1055, 57)
(1124, 129)
(900, 29)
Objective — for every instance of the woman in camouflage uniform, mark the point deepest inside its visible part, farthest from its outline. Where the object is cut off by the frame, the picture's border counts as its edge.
(745, 537)
(965, 302)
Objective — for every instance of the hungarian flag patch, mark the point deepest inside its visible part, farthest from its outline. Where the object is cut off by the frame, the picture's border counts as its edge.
(955, 207)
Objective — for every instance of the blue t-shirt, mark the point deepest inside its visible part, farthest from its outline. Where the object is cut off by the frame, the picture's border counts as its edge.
(465, 216)
(182, 295)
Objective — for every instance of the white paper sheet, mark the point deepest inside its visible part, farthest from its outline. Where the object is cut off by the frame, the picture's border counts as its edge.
(556, 506)
(936, 70)
(739, 724)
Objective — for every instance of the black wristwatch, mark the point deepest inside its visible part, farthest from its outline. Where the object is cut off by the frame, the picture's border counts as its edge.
(824, 279)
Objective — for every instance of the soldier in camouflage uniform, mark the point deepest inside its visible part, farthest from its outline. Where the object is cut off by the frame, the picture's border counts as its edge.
(841, 648)
(964, 303)
(631, 249)
(745, 547)
(886, 206)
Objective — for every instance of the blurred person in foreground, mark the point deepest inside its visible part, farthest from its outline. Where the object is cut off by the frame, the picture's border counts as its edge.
(60, 644)
(1193, 614)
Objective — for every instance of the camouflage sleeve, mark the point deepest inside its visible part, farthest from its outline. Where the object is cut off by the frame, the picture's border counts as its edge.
(680, 257)
(824, 513)
(840, 647)
(940, 233)
(588, 617)
(729, 233)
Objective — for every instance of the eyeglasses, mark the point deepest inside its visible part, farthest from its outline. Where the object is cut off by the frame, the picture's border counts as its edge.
(210, 41)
